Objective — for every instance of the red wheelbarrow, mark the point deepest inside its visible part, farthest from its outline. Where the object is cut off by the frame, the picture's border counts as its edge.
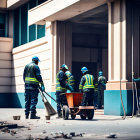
(73, 108)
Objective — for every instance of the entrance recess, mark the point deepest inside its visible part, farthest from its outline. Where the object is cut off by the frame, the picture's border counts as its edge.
(90, 42)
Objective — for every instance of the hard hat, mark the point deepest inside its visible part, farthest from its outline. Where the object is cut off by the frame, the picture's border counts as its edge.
(84, 69)
(35, 58)
(64, 66)
(100, 73)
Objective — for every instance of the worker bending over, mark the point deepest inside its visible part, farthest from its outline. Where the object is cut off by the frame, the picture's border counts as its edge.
(32, 78)
(61, 87)
(70, 81)
(86, 86)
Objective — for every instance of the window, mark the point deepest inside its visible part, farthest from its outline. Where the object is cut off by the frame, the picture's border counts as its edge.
(22, 32)
(3, 24)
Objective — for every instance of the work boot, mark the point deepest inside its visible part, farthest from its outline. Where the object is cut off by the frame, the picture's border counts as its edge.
(26, 116)
(59, 115)
(33, 116)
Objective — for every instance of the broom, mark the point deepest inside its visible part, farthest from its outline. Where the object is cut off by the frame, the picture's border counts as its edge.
(49, 109)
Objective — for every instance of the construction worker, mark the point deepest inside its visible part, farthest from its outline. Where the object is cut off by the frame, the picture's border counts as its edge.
(101, 88)
(32, 78)
(70, 81)
(86, 86)
(61, 87)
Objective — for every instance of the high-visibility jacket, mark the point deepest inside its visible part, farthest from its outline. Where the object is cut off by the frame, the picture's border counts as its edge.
(61, 81)
(86, 82)
(70, 80)
(32, 74)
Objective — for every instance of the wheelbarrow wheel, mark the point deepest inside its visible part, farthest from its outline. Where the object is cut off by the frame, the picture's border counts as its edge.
(65, 112)
(90, 114)
(83, 117)
(73, 117)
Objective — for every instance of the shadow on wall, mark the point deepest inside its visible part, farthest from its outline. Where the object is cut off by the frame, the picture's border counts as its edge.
(9, 100)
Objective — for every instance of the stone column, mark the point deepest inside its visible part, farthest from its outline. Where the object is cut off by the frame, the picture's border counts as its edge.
(117, 62)
(117, 46)
(61, 47)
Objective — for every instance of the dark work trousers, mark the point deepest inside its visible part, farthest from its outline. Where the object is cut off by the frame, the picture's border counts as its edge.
(31, 99)
(100, 98)
(59, 101)
(88, 98)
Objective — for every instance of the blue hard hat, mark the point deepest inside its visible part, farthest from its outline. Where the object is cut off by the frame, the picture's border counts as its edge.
(100, 73)
(84, 69)
(35, 58)
(64, 66)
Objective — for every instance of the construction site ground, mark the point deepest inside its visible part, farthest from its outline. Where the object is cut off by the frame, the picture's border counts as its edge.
(101, 127)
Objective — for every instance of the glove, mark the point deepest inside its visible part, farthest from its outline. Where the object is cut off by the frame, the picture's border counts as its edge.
(71, 88)
(42, 87)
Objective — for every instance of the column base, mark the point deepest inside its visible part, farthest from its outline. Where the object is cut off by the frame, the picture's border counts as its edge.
(112, 102)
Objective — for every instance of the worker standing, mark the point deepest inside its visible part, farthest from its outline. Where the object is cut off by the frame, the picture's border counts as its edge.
(32, 78)
(101, 88)
(70, 81)
(61, 87)
(86, 86)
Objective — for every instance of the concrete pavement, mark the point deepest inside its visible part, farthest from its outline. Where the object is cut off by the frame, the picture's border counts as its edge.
(98, 128)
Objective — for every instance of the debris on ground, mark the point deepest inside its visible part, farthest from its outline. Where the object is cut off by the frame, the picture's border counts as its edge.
(29, 128)
(30, 137)
(5, 130)
(9, 125)
(13, 132)
(16, 117)
(111, 136)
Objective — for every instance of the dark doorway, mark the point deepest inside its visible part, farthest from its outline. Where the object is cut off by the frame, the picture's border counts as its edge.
(76, 69)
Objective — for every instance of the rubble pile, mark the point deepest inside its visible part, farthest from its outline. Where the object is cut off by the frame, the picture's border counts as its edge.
(54, 136)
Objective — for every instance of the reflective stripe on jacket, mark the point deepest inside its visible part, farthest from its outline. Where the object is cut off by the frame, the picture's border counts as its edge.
(60, 78)
(86, 82)
(30, 77)
(70, 80)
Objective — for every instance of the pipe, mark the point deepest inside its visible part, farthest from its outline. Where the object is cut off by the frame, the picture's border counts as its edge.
(137, 97)
(132, 67)
(122, 100)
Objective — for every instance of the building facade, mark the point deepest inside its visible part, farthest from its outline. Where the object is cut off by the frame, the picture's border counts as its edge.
(101, 35)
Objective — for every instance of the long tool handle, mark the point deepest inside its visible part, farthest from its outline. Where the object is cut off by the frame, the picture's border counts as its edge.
(43, 96)
(52, 98)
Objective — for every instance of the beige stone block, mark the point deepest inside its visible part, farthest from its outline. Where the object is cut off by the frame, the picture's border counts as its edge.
(5, 81)
(32, 51)
(46, 74)
(17, 71)
(5, 64)
(30, 45)
(6, 44)
(115, 85)
(19, 88)
(3, 3)
(5, 56)
(17, 81)
(44, 56)
(5, 89)
(5, 72)
(47, 84)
